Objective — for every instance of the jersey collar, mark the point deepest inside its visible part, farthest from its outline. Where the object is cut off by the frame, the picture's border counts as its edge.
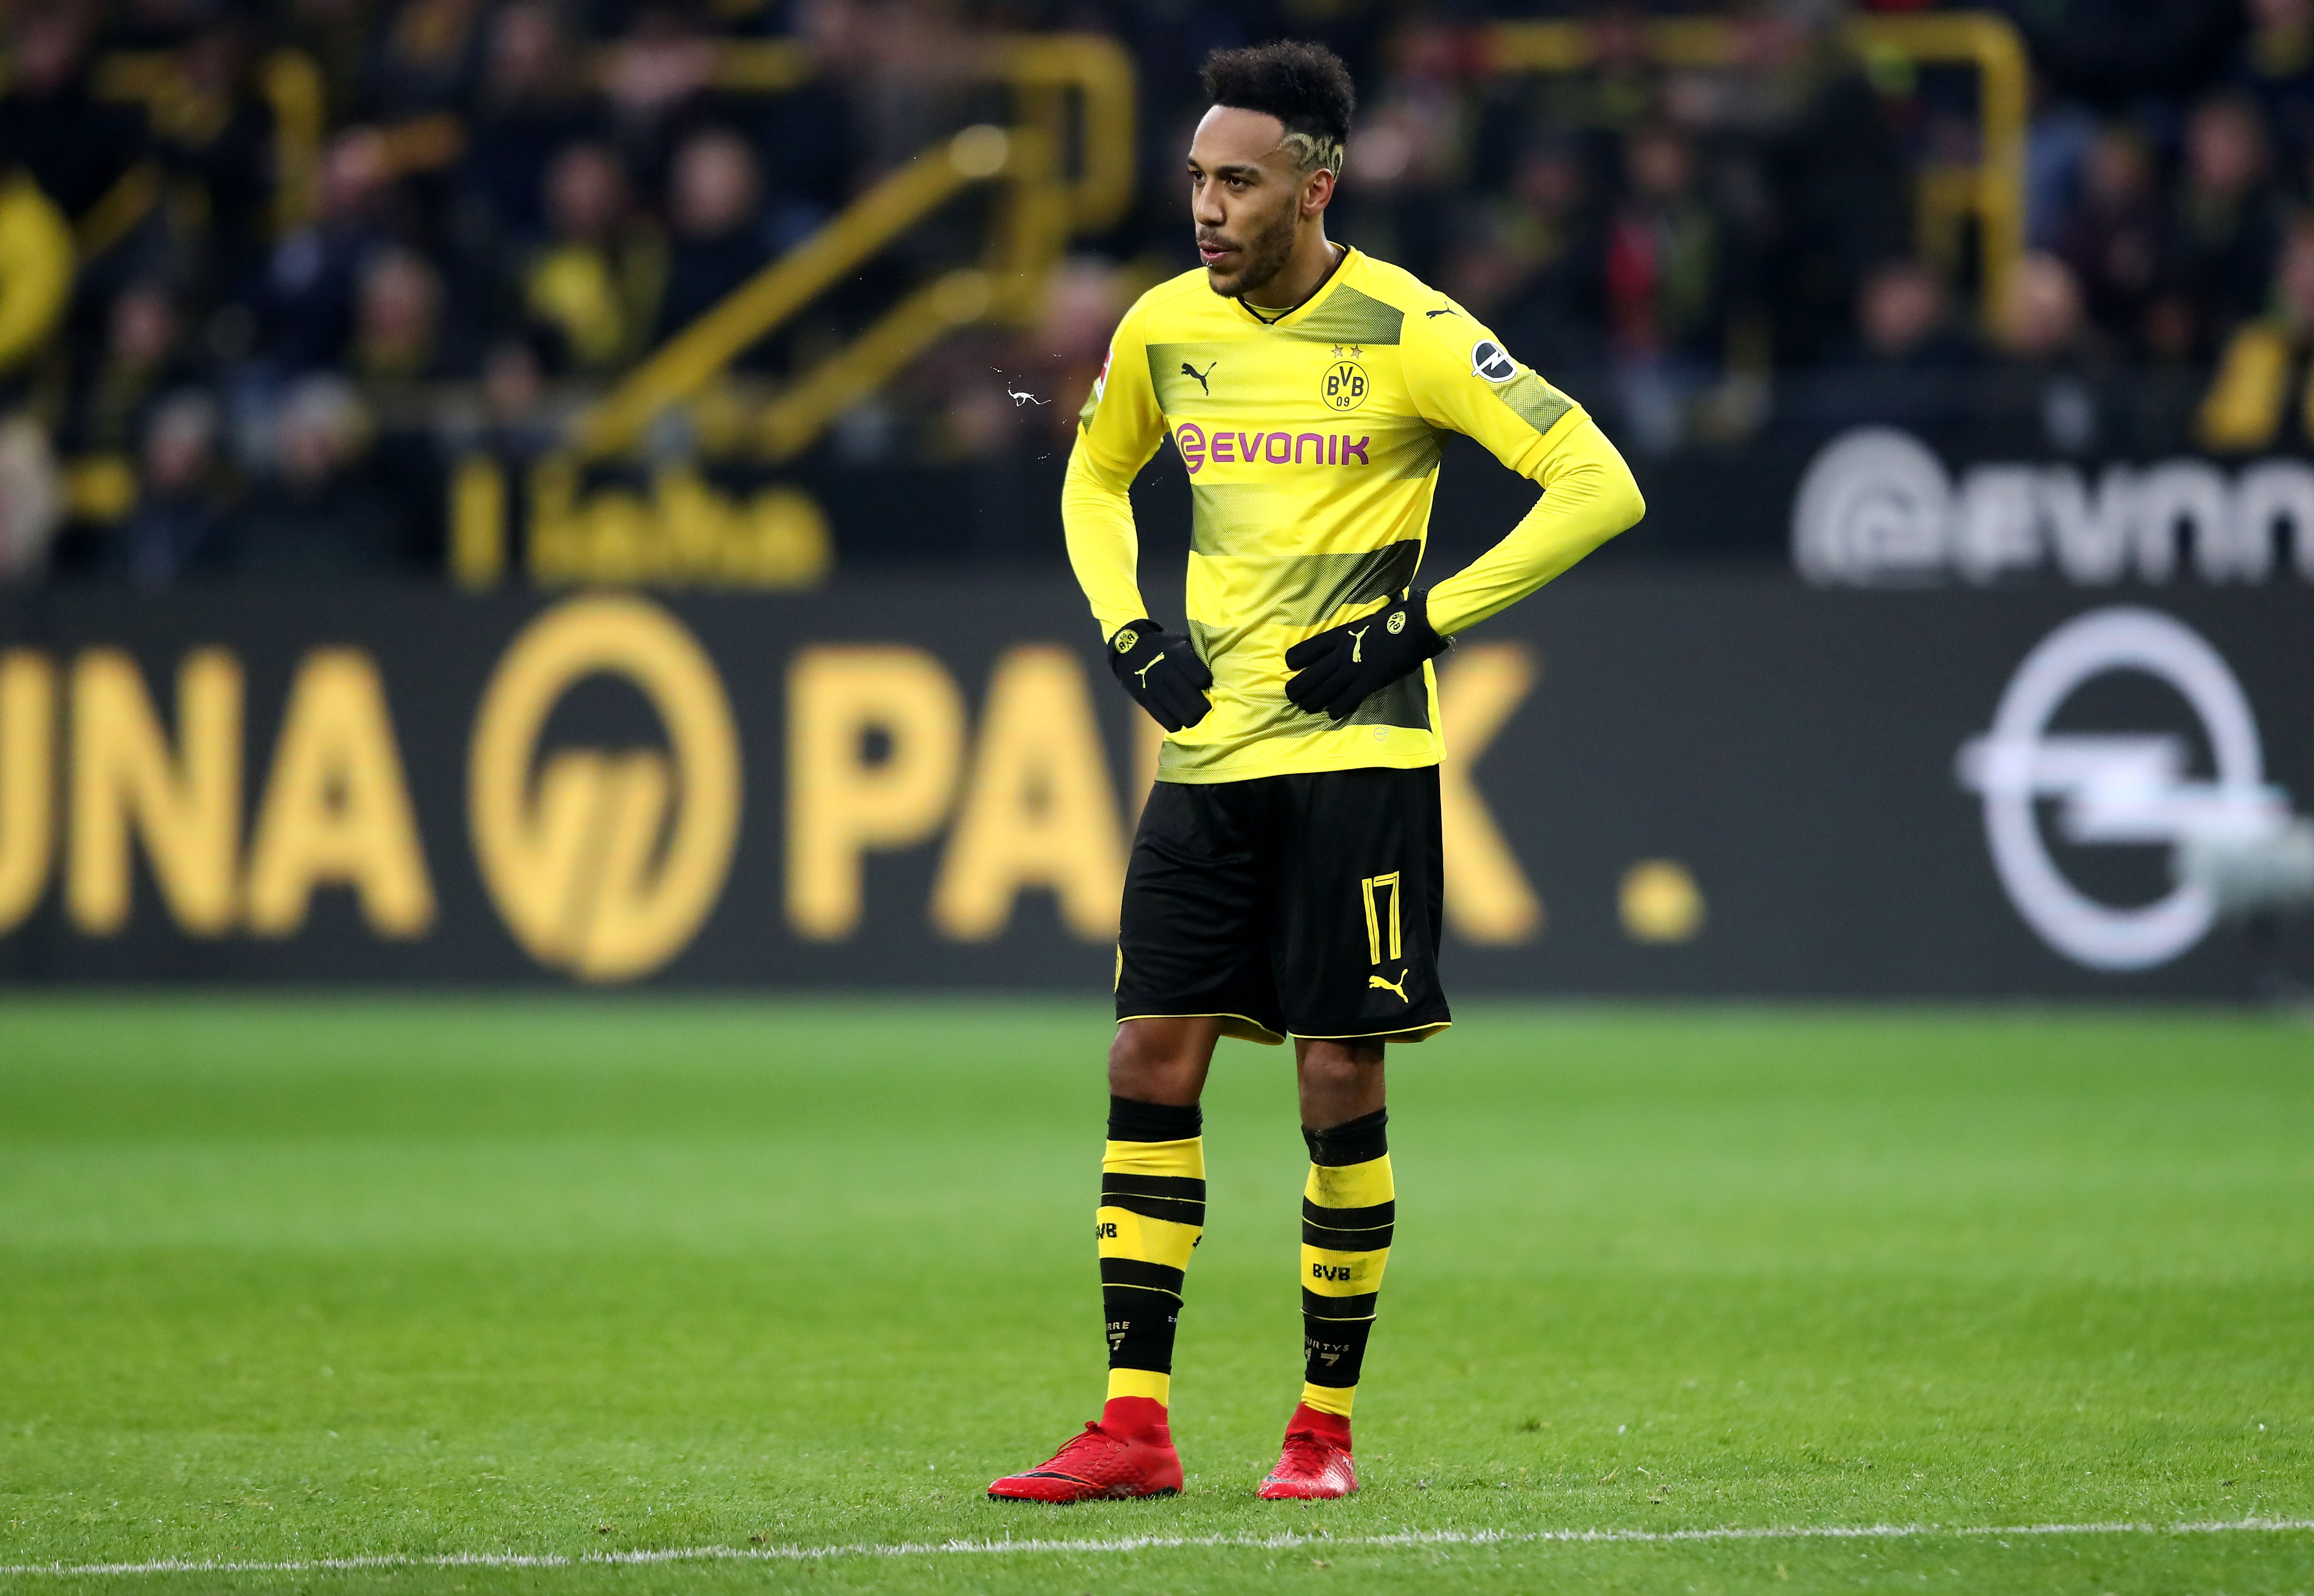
(1318, 296)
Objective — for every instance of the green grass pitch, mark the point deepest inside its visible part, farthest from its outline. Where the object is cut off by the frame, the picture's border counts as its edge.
(284, 1280)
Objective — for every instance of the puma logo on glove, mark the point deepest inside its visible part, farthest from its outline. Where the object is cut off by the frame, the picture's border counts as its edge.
(1162, 672)
(1333, 674)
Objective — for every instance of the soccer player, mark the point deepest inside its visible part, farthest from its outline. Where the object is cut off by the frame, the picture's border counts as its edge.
(1285, 879)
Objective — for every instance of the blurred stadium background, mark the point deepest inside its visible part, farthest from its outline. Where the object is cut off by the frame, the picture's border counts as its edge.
(315, 289)
(349, 345)
(562, 494)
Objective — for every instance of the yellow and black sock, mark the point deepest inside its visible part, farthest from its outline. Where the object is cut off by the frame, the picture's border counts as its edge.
(1152, 1210)
(1347, 1210)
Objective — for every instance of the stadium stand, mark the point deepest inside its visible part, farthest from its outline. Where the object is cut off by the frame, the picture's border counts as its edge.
(730, 292)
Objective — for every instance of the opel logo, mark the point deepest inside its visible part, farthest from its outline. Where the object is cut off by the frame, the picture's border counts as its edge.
(2112, 788)
(604, 862)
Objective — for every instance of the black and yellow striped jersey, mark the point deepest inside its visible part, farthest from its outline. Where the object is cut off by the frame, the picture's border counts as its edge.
(1311, 444)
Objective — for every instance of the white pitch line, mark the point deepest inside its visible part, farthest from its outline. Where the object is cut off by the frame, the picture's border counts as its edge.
(1145, 1543)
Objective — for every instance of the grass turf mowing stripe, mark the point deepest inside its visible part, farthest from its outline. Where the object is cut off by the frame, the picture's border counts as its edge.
(295, 1281)
(1149, 1543)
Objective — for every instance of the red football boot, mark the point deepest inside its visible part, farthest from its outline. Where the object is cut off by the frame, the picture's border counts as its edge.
(1315, 1465)
(1127, 1452)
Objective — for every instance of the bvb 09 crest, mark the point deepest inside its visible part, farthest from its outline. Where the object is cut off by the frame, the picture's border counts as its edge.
(604, 862)
(1344, 386)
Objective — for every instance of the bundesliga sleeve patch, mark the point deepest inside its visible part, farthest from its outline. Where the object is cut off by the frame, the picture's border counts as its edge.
(1490, 360)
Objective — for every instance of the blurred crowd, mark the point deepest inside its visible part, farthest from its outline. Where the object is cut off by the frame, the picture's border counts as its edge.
(228, 347)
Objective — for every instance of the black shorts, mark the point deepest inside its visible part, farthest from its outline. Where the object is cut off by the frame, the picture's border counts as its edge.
(1288, 906)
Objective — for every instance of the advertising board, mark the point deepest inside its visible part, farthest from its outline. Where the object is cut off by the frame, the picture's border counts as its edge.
(1712, 787)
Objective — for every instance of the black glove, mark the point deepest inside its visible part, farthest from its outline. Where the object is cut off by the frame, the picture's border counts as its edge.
(1343, 666)
(1162, 672)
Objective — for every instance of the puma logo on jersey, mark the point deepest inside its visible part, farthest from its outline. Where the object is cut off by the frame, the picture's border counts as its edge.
(1358, 643)
(1432, 316)
(1144, 672)
(1398, 986)
(1189, 370)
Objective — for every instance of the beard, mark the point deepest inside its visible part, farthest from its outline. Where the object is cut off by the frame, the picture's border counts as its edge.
(1260, 258)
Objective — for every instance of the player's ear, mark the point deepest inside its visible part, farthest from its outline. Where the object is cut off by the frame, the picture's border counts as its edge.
(1317, 193)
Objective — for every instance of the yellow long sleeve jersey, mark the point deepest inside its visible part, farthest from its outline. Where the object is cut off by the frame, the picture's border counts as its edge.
(1311, 443)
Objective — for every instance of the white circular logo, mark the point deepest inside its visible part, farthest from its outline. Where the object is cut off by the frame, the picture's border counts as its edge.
(1874, 506)
(2112, 788)
(1490, 360)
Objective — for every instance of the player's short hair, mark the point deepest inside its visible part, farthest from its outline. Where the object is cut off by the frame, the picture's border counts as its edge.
(1303, 85)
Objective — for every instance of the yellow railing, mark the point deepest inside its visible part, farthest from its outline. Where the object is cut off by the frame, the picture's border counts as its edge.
(1045, 199)
(1050, 65)
(1064, 165)
(1993, 190)
(685, 363)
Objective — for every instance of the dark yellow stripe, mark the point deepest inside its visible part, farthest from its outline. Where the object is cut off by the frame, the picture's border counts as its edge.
(1337, 1307)
(1140, 1274)
(1334, 1240)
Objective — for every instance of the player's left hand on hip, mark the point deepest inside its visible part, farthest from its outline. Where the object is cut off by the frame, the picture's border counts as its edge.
(1341, 667)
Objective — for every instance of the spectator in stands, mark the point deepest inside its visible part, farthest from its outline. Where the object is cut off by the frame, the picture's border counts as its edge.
(423, 59)
(1551, 303)
(215, 142)
(2226, 224)
(334, 35)
(719, 244)
(1907, 363)
(309, 291)
(2116, 236)
(1621, 88)
(77, 147)
(1666, 286)
(659, 85)
(2049, 372)
(2264, 372)
(517, 424)
(144, 356)
(2114, 52)
(398, 319)
(807, 136)
(2276, 70)
(322, 514)
(1410, 149)
(1065, 352)
(1903, 320)
(531, 106)
(1838, 186)
(175, 531)
(595, 290)
(2038, 318)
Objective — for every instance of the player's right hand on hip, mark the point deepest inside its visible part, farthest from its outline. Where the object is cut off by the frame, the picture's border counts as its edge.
(1162, 672)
